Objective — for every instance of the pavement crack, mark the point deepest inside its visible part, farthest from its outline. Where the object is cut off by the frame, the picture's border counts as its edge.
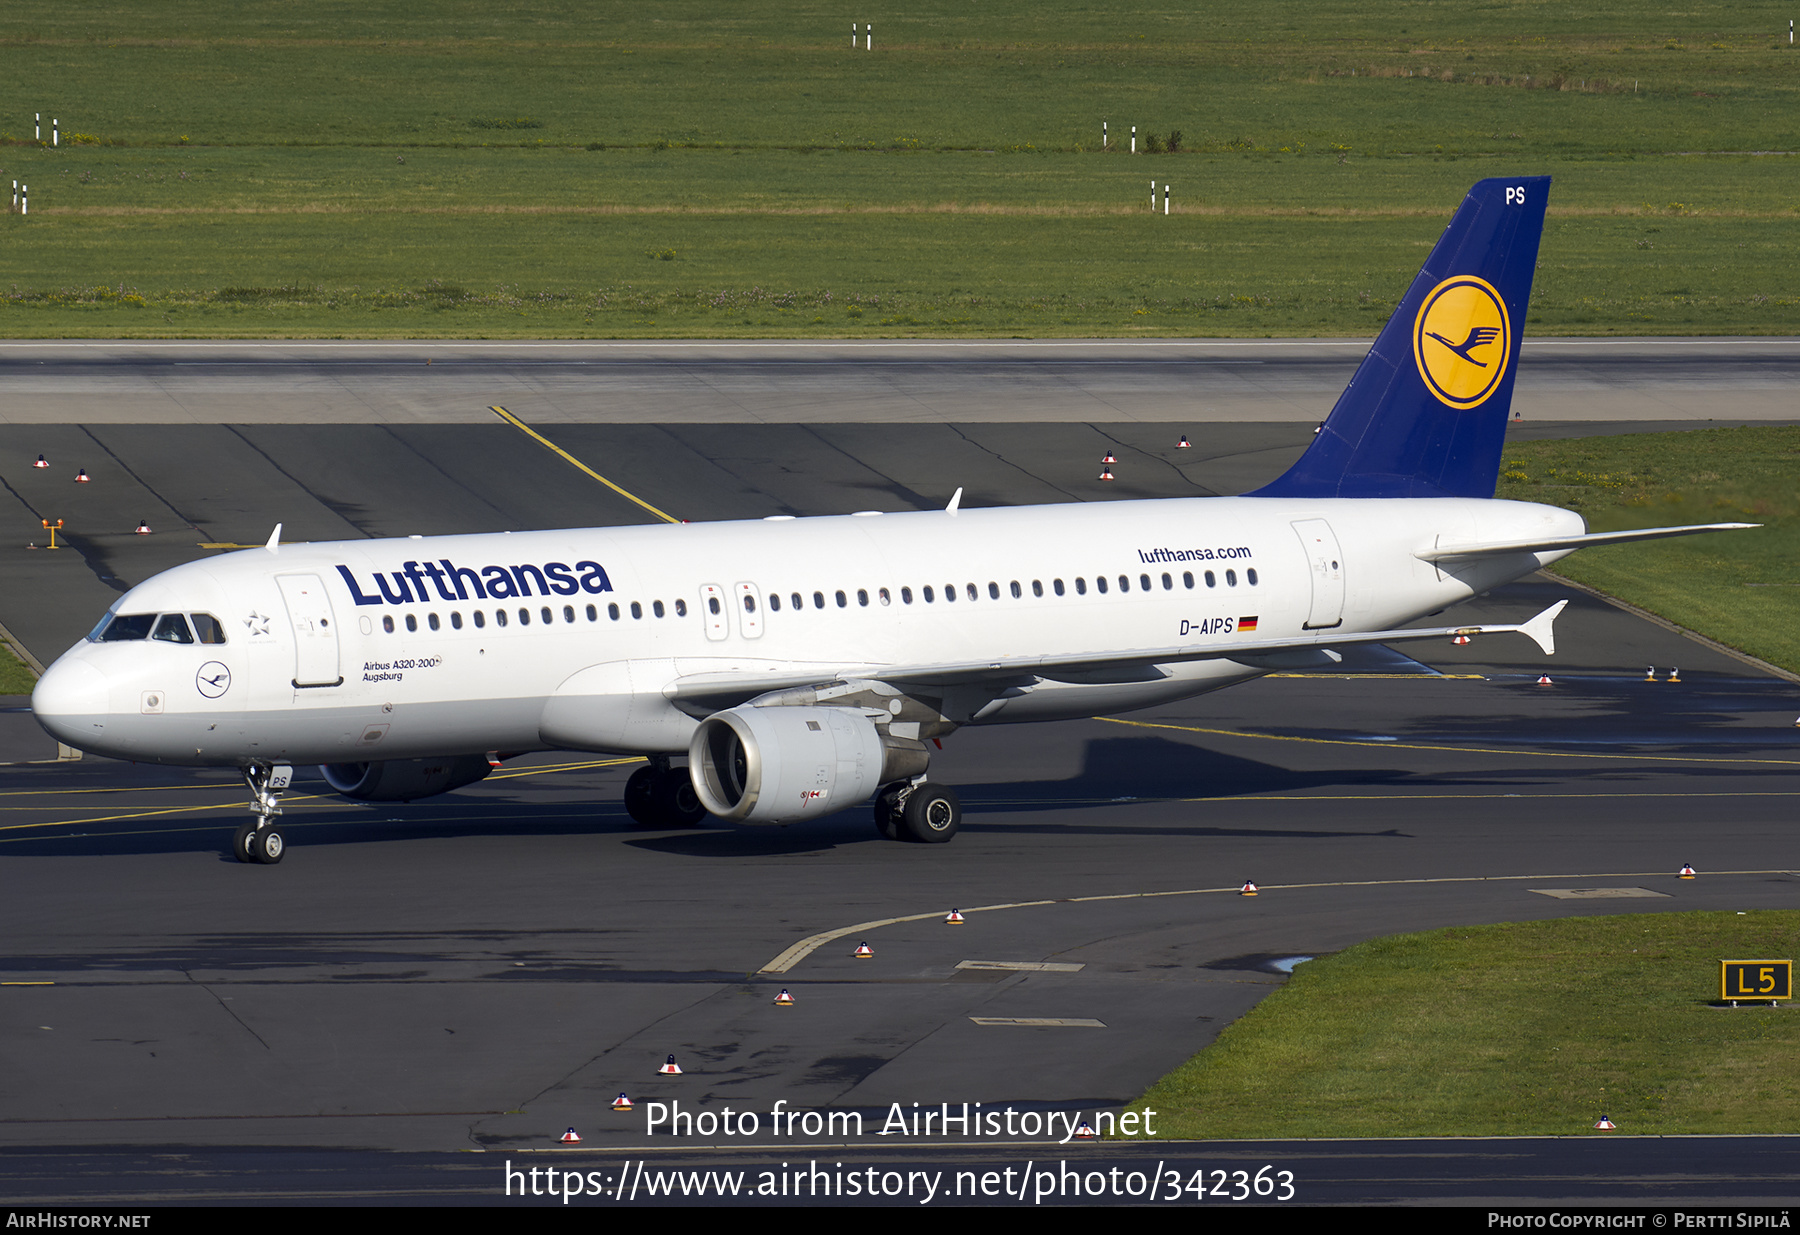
(227, 1008)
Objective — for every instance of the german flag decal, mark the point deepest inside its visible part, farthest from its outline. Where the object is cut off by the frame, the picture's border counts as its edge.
(1246, 623)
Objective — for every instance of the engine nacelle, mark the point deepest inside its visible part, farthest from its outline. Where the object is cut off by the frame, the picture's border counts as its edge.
(776, 764)
(402, 780)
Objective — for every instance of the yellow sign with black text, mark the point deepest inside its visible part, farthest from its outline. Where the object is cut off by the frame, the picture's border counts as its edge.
(1462, 341)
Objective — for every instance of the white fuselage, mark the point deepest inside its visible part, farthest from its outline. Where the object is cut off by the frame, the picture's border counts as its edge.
(310, 671)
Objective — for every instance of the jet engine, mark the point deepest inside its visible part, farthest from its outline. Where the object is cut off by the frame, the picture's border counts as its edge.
(402, 780)
(776, 764)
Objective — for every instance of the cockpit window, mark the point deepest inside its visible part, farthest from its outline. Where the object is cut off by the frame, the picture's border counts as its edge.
(126, 627)
(208, 628)
(172, 628)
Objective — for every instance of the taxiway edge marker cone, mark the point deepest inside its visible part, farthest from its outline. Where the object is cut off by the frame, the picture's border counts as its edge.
(1106, 473)
(1108, 458)
(1183, 444)
(81, 477)
(863, 952)
(784, 1000)
(1605, 1123)
(669, 1069)
(1544, 680)
(41, 462)
(953, 918)
(143, 527)
(1084, 1132)
(1650, 674)
(1249, 889)
(1687, 872)
(571, 1137)
(1674, 675)
(621, 1103)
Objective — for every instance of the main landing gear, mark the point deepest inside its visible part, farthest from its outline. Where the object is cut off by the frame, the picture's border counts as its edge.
(922, 812)
(259, 840)
(662, 796)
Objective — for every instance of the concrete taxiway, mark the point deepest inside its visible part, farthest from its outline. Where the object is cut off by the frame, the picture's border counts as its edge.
(484, 969)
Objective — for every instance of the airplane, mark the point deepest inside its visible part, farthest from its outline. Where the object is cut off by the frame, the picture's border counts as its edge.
(787, 668)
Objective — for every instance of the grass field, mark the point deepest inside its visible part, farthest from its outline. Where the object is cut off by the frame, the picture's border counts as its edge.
(1534, 1028)
(1740, 588)
(262, 169)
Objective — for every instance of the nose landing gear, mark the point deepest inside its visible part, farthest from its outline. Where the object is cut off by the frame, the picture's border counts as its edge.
(259, 840)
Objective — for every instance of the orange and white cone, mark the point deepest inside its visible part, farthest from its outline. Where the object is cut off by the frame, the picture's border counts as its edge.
(784, 1000)
(1183, 444)
(863, 952)
(621, 1103)
(1460, 640)
(1249, 889)
(1106, 473)
(81, 477)
(143, 527)
(669, 1069)
(41, 462)
(954, 918)
(1108, 458)
(570, 1138)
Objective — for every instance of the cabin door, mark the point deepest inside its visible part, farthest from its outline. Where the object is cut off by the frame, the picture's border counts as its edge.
(1326, 562)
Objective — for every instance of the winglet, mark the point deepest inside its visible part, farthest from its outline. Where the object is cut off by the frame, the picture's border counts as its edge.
(274, 545)
(955, 502)
(1539, 629)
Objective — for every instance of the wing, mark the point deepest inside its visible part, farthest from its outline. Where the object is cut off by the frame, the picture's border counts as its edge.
(710, 691)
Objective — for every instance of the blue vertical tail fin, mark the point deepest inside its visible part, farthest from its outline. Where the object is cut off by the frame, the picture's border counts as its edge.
(1425, 415)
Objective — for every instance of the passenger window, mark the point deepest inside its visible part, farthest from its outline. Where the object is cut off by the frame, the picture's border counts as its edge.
(949, 593)
(593, 614)
(974, 592)
(208, 628)
(1144, 582)
(680, 608)
(774, 602)
(994, 590)
(797, 603)
(480, 620)
(455, 620)
(412, 622)
(387, 624)
(1017, 591)
(1231, 578)
(546, 615)
(172, 628)
(1250, 577)
(749, 605)
(1057, 584)
(1080, 586)
(883, 596)
(843, 600)
(1124, 583)
(431, 620)
(712, 605)
(906, 596)
(818, 600)
(1037, 587)
(927, 594)
(656, 607)
(568, 613)
(524, 617)
(1210, 581)
(1187, 578)
(1100, 584)
(862, 597)
(499, 617)
(637, 610)
(612, 611)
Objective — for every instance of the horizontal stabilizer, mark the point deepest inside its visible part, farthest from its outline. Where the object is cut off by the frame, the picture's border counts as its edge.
(1444, 553)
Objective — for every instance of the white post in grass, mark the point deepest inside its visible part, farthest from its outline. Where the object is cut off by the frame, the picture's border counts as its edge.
(1103, 135)
(1153, 197)
(1134, 139)
(15, 201)
(24, 199)
(1165, 200)
(37, 126)
(55, 131)
(869, 36)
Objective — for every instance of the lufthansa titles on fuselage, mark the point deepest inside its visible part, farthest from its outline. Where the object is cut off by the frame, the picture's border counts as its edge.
(453, 582)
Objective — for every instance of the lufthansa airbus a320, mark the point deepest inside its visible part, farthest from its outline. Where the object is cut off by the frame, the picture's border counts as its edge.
(787, 668)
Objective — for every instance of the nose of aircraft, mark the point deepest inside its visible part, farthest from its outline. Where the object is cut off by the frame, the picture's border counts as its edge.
(70, 701)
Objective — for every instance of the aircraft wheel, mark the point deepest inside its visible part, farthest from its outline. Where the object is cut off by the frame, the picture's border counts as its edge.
(887, 810)
(640, 794)
(266, 846)
(240, 844)
(675, 800)
(932, 815)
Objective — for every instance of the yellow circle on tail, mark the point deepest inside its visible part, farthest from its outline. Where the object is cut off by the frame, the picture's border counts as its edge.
(1462, 340)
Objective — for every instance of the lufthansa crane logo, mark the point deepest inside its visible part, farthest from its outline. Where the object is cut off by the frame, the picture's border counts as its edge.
(1462, 340)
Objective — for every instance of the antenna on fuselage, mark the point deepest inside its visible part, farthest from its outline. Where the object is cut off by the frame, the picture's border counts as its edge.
(955, 501)
(274, 545)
